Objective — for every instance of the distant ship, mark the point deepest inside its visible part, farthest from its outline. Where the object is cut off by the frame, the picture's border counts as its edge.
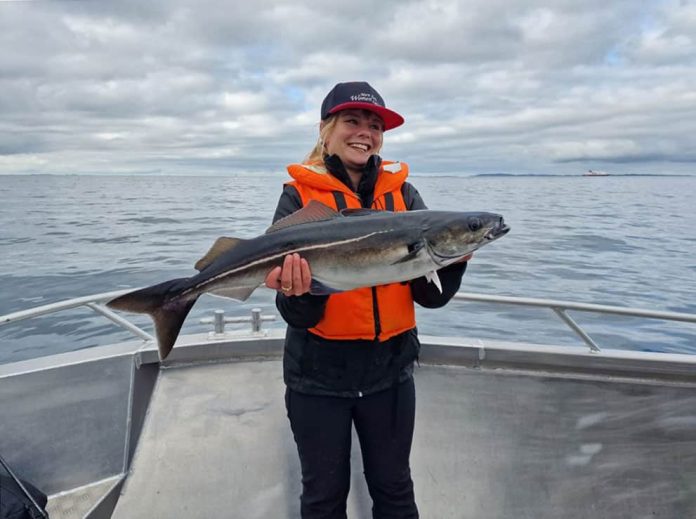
(593, 173)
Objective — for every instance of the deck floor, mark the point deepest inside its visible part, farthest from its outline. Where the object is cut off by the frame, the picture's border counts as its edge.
(488, 444)
(76, 503)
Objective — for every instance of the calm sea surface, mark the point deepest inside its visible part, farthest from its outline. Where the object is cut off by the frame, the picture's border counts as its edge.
(628, 241)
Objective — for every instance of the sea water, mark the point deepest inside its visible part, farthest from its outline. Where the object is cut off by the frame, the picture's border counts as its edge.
(619, 240)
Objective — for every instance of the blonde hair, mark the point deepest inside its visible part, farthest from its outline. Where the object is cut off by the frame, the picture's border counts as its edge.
(316, 156)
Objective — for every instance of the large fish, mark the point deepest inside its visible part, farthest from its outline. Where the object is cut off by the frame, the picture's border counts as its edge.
(345, 250)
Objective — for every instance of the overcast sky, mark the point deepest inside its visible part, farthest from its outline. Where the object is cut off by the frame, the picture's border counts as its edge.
(214, 87)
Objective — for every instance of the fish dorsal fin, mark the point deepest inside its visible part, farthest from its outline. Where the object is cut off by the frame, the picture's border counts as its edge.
(220, 246)
(314, 211)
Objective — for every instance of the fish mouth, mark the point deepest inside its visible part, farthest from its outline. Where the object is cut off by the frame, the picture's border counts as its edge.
(498, 231)
(444, 259)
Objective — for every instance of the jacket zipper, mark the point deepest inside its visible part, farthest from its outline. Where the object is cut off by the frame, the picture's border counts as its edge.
(375, 314)
(375, 305)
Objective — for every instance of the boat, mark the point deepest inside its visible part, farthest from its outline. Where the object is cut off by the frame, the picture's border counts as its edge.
(595, 173)
(504, 428)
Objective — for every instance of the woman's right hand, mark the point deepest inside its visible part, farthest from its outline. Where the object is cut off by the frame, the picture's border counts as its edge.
(293, 278)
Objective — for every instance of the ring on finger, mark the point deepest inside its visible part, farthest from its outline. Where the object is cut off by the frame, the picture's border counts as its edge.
(286, 289)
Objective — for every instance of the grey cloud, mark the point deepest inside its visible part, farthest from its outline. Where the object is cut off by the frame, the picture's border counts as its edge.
(535, 33)
(217, 87)
(16, 144)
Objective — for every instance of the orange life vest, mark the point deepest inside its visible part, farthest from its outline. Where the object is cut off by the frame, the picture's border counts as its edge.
(365, 313)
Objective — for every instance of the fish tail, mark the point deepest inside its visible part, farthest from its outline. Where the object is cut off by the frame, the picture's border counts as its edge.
(167, 311)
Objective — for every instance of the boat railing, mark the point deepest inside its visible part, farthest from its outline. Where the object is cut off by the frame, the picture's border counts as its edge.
(560, 308)
(93, 302)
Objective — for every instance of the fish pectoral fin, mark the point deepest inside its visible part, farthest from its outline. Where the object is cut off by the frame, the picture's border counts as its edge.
(318, 288)
(314, 211)
(221, 246)
(413, 250)
(432, 277)
(237, 293)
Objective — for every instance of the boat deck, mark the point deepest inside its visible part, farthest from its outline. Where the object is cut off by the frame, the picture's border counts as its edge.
(489, 443)
(503, 429)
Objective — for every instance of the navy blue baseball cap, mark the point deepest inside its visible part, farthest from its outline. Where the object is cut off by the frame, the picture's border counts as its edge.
(359, 94)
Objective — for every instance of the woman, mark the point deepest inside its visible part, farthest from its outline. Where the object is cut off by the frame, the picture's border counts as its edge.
(349, 356)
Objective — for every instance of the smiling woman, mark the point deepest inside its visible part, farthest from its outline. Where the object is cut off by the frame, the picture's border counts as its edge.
(349, 355)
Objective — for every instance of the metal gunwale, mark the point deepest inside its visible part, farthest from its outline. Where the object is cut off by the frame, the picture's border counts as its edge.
(559, 307)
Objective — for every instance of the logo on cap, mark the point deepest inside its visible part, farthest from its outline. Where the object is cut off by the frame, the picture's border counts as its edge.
(365, 98)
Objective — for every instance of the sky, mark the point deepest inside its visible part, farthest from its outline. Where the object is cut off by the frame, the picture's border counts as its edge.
(224, 87)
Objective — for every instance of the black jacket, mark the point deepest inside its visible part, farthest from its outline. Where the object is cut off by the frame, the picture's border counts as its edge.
(315, 365)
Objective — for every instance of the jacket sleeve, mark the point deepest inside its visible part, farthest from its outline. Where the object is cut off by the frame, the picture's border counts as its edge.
(412, 197)
(289, 202)
(306, 310)
(425, 293)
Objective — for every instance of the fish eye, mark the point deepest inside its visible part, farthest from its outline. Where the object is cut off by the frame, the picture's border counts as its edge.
(475, 224)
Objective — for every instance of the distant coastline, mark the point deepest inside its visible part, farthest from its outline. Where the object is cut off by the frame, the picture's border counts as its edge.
(546, 175)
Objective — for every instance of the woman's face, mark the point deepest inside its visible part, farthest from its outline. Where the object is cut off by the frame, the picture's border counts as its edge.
(356, 136)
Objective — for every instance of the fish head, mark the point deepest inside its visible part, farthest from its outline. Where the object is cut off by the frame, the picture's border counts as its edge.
(450, 235)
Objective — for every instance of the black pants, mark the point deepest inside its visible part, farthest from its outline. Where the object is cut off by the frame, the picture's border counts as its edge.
(322, 429)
